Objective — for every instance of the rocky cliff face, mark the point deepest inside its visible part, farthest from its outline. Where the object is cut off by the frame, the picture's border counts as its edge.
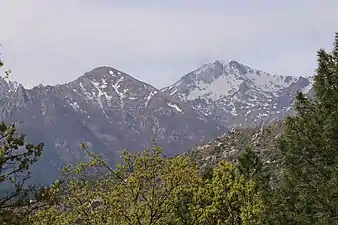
(263, 141)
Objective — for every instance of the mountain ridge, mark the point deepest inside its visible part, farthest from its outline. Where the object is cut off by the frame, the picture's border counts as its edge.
(110, 111)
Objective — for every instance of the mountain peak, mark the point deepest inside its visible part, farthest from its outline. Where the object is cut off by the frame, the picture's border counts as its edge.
(110, 75)
(234, 92)
(108, 87)
(225, 64)
(104, 71)
(223, 78)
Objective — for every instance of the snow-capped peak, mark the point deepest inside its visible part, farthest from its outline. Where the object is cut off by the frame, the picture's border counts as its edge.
(109, 89)
(237, 94)
(223, 78)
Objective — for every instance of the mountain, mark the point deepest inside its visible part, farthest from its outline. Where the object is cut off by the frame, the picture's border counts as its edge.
(106, 108)
(237, 95)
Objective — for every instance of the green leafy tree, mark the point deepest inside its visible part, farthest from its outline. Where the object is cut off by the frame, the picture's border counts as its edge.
(150, 189)
(142, 190)
(228, 198)
(308, 192)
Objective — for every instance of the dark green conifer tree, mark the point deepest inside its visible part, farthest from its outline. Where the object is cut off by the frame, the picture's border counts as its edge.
(308, 191)
(249, 165)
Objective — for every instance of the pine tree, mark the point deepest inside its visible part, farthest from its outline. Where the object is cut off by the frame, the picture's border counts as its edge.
(249, 164)
(308, 192)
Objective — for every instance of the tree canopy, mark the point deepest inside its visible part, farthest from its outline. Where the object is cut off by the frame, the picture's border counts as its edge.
(308, 192)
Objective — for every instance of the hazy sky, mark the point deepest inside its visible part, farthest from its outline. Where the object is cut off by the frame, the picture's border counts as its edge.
(55, 41)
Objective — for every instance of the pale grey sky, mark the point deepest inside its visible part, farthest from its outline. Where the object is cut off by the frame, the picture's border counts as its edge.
(56, 41)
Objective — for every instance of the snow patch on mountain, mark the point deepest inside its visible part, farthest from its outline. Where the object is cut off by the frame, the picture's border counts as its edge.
(306, 89)
(121, 94)
(101, 93)
(174, 106)
(219, 88)
(75, 105)
(85, 92)
(149, 97)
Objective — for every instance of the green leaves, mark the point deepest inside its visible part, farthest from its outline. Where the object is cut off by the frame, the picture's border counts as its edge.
(150, 189)
(230, 198)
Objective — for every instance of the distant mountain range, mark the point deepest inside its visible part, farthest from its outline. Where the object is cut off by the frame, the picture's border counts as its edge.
(110, 110)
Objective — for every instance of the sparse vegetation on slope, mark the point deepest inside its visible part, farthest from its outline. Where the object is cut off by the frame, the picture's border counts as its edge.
(227, 147)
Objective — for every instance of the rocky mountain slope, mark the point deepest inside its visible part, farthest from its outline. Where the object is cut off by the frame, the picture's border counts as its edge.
(228, 146)
(237, 95)
(107, 109)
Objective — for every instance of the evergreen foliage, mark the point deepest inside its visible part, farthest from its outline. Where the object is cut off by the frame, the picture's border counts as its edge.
(308, 191)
